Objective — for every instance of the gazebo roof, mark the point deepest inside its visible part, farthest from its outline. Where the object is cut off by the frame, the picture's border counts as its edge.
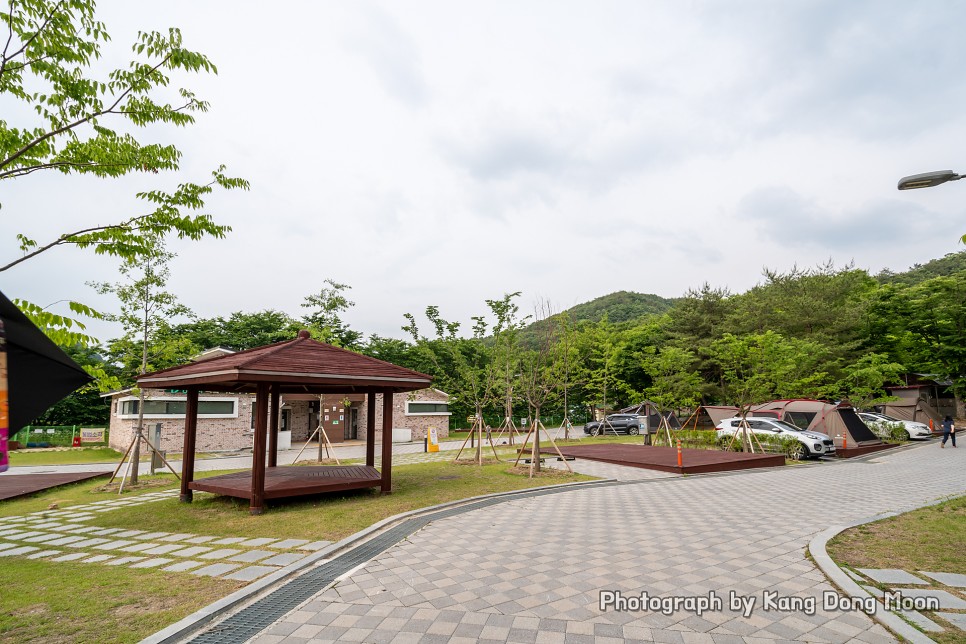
(302, 365)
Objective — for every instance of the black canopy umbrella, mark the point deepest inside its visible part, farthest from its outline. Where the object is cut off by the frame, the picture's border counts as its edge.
(39, 374)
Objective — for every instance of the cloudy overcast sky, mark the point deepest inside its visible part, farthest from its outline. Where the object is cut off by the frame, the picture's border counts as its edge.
(445, 153)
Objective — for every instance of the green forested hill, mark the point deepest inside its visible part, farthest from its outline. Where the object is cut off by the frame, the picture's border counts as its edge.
(951, 264)
(622, 306)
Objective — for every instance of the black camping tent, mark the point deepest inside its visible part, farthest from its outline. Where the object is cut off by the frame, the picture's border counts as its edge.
(38, 373)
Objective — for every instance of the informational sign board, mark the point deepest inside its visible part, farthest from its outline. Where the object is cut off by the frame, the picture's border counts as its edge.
(92, 434)
(432, 440)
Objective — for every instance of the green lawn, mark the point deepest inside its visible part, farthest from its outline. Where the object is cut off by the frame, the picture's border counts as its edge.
(83, 455)
(925, 539)
(75, 602)
(69, 456)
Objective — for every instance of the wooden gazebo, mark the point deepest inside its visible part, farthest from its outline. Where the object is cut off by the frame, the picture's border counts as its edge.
(299, 366)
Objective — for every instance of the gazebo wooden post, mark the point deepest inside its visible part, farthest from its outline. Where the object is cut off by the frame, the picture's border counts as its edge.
(188, 456)
(257, 499)
(371, 429)
(273, 428)
(387, 442)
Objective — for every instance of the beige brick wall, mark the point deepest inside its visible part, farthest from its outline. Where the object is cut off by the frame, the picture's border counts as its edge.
(225, 434)
(214, 434)
(418, 424)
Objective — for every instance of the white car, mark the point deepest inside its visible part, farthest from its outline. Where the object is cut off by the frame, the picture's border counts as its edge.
(879, 423)
(814, 445)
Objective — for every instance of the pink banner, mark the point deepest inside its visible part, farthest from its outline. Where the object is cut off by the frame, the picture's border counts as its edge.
(4, 415)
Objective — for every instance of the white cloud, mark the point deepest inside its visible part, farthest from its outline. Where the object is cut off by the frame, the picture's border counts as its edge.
(440, 153)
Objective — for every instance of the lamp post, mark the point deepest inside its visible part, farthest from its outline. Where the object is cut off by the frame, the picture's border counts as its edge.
(928, 179)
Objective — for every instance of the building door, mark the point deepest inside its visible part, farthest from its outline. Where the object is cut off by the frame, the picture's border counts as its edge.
(352, 427)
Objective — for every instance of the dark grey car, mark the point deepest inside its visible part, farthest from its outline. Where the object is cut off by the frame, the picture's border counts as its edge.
(617, 423)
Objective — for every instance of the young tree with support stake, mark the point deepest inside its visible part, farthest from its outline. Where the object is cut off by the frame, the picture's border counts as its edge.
(463, 366)
(145, 308)
(80, 124)
(538, 384)
(506, 356)
(563, 366)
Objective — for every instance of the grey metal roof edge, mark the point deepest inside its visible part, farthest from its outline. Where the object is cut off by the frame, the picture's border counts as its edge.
(192, 623)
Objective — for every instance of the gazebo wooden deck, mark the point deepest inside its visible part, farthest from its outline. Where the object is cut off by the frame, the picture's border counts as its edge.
(299, 366)
(283, 482)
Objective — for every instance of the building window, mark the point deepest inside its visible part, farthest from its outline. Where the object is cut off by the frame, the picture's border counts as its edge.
(177, 408)
(417, 408)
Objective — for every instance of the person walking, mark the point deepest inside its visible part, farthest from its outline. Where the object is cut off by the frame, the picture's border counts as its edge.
(949, 430)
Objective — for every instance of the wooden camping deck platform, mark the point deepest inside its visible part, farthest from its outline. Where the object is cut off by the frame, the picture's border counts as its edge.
(284, 482)
(14, 485)
(862, 450)
(665, 459)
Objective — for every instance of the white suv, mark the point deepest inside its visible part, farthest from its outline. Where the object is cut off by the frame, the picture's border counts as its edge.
(879, 423)
(813, 444)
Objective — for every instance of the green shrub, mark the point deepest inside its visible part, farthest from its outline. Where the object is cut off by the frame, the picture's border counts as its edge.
(894, 431)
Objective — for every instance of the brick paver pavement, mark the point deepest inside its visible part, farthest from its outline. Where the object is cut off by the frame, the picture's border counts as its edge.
(531, 570)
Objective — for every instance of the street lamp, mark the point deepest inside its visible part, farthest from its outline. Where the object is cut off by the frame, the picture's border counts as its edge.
(928, 179)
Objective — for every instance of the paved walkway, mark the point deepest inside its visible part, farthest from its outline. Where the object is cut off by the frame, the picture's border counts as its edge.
(532, 570)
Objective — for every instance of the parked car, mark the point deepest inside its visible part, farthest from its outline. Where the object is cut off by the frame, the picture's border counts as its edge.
(620, 423)
(813, 444)
(882, 424)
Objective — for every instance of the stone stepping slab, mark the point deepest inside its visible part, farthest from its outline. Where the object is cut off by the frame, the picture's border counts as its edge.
(22, 550)
(182, 566)
(202, 539)
(256, 543)
(114, 545)
(98, 558)
(251, 573)
(43, 553)
(190, 552)
(946, 600)
(284, 559)
(121, 561)
(891, 576)
(140, 547)
(175, 537)
(163, 549)
(224, 553)
(956, 619)
(215, 570)
(921, 621)
(252, 556)
(286, 544)
(947, 578)
(152, 563)
(315, 545)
